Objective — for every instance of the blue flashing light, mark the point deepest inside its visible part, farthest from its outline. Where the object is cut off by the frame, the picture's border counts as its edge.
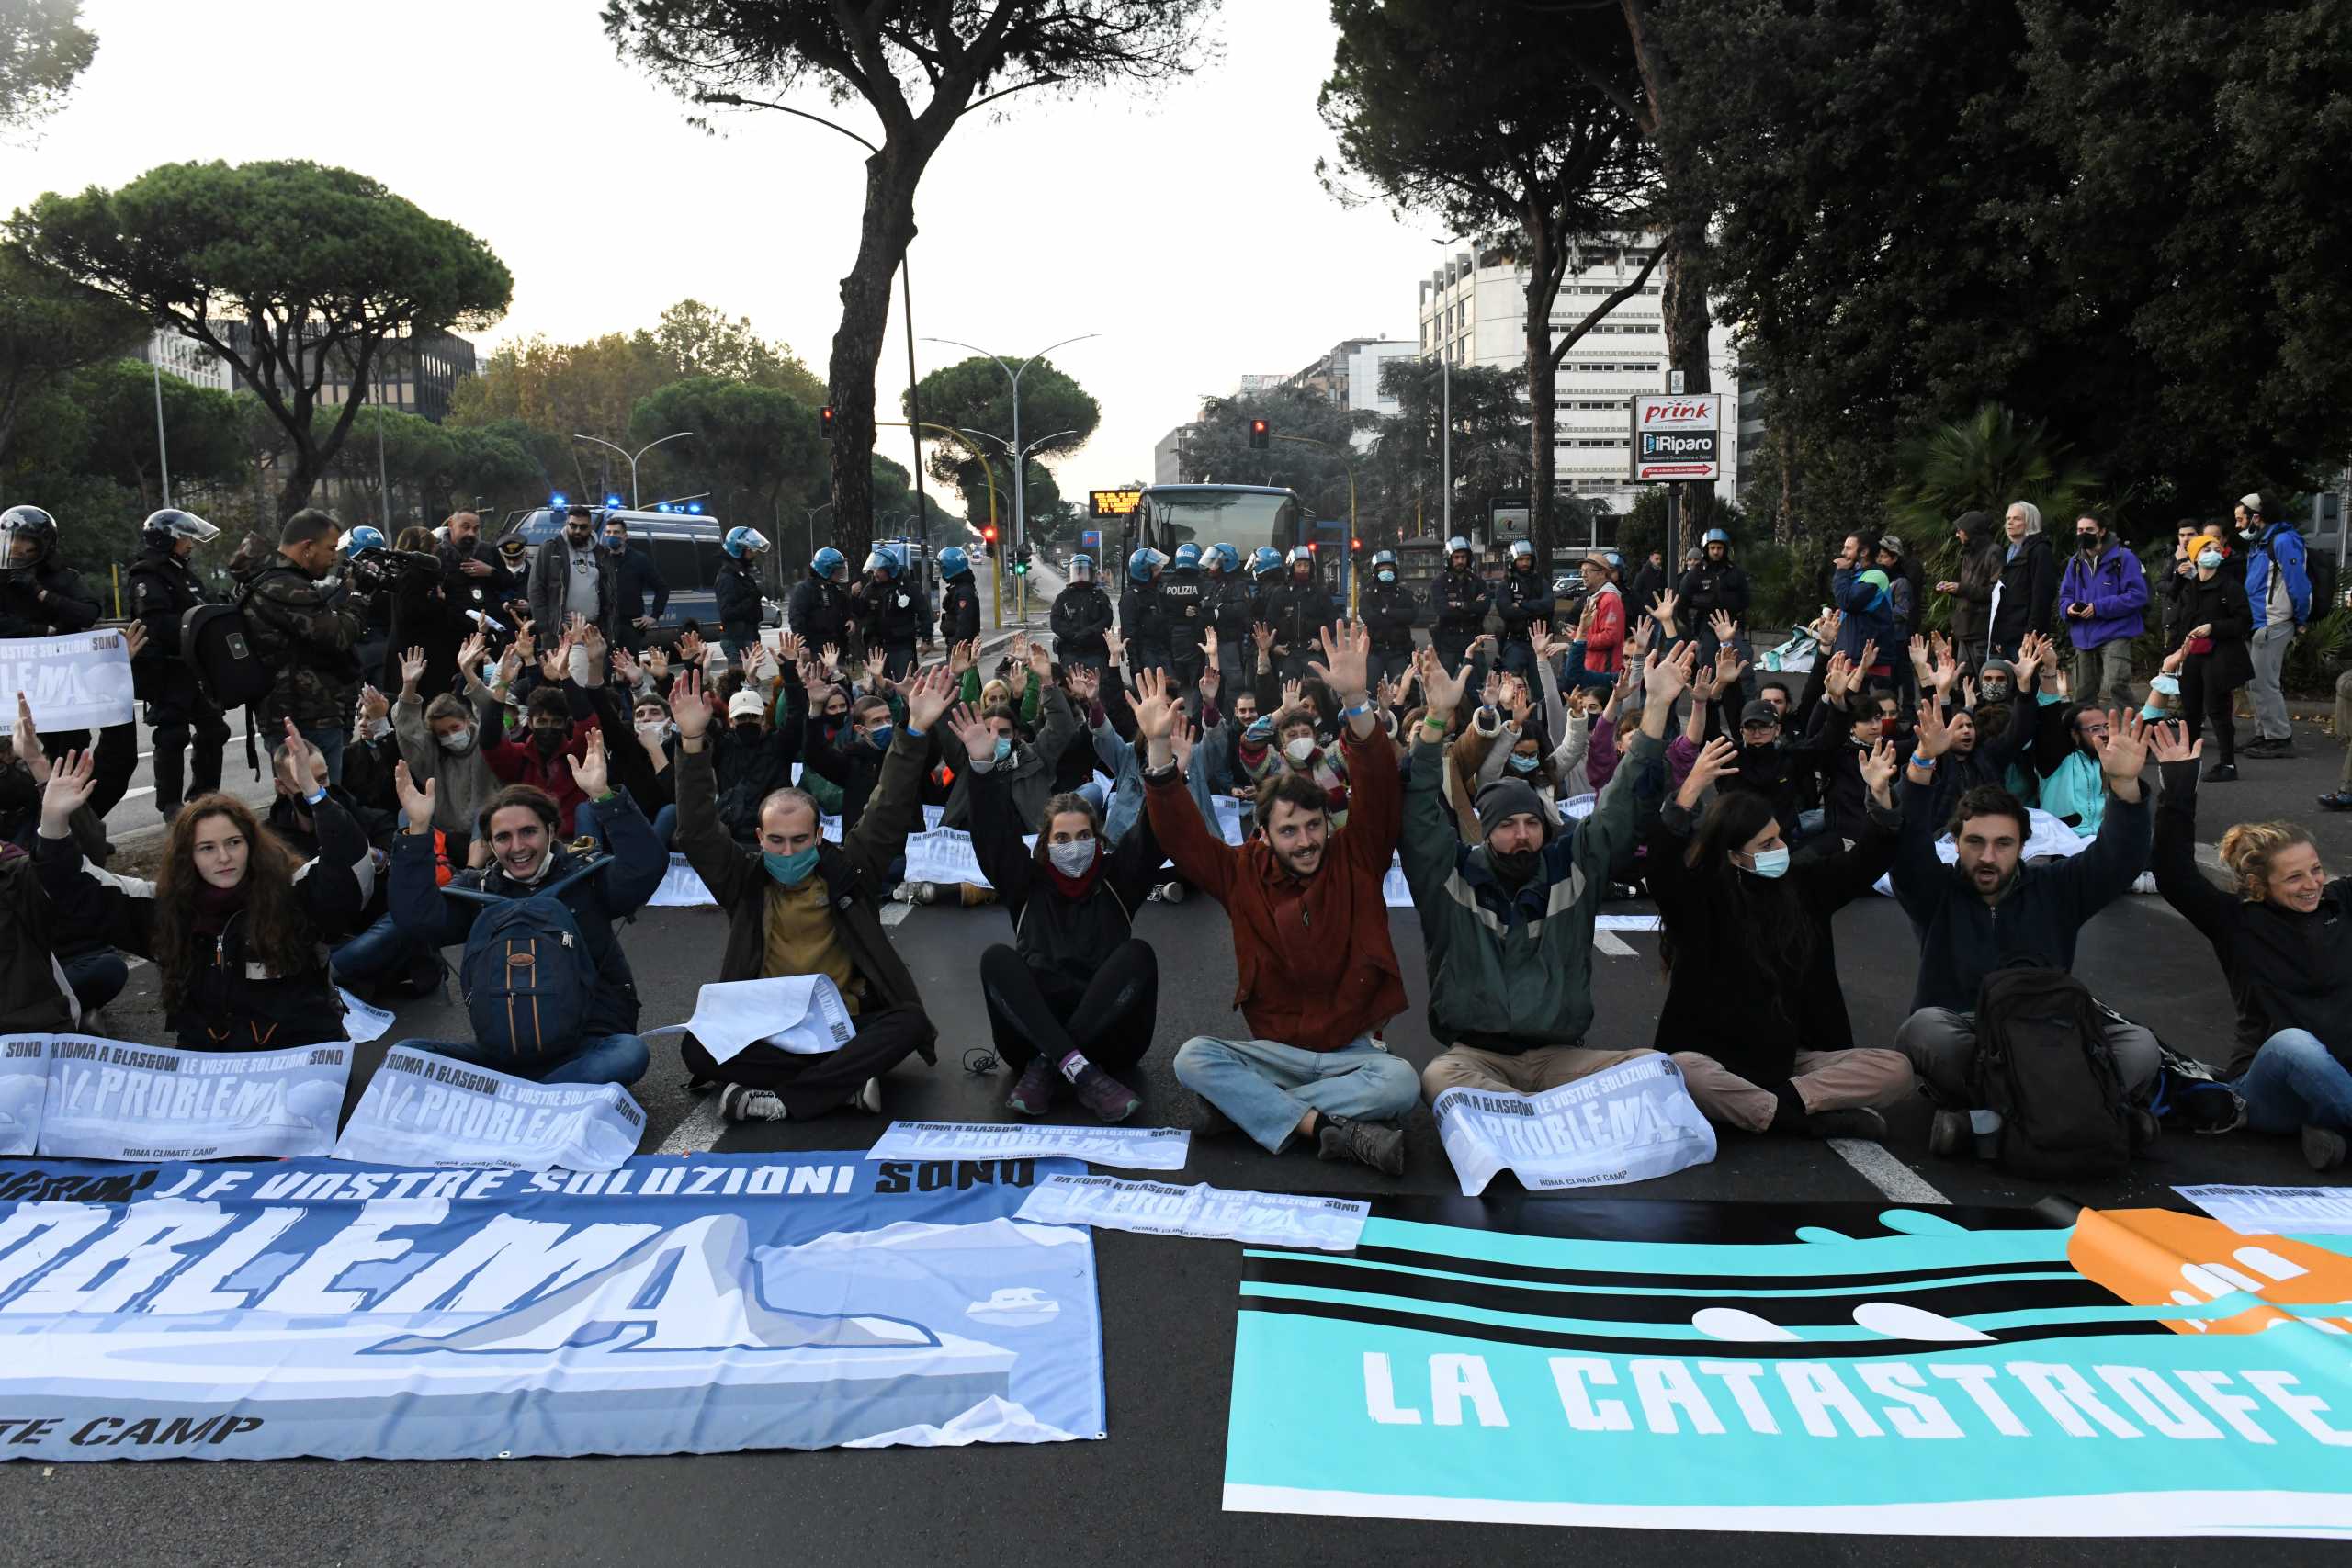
(612, 500)
(694, 506)
(556, 499)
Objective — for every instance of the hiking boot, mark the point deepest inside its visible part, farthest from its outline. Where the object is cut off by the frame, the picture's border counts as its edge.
(1366, 1143)
(2221, 772)
(868, 1099)
(1848, 1121)
(1104, 1095)
(915, 893)
(1949, 1136)
(1215, 1123)
(740, 1102)
(2322, 1150)
(2339, 801)
(975, 894)
(1033, 1095)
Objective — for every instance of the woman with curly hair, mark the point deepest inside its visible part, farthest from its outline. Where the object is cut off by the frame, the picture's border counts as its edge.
(233, 924)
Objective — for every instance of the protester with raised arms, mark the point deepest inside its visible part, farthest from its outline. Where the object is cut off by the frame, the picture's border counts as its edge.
(1073, 1000)
(231, 921)
(1318, 975)
(570, 1016)
(1754, 1014)
(2283, 935)
(1508, 924)
(797, 905)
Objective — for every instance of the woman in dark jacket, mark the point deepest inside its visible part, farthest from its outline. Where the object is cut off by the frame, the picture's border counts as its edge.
(232, 922)
(422, 616)
(1074, 998)
(1754, 1015)
(2029, 585)
(2210, 657)
(2283, 935)
(1971, 591)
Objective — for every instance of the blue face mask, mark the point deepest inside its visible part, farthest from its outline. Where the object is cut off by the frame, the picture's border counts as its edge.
(1771, 863)
(1261, 730)
(1004, 747)
(791, 869)
(879, 737)
(1524, 764)
(615, 543)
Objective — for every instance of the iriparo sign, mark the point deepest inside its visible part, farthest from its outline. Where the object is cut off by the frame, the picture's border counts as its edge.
(1678, 437)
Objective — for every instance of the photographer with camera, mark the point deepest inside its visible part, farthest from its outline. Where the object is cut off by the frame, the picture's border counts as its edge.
(305, 627)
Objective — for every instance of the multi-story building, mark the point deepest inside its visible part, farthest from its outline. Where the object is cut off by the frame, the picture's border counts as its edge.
(1349, 373)
(1168, 455)
(187, 359)
(413, 375)
(1473, 312)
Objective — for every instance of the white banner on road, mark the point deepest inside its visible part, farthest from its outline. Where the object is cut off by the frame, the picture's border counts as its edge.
(106, 1100)
(81, 681)
(1202, 1212)
(944, 855)
(361, 1022)
(24, 1086)
(1130, 1148)
(800, 1013)
(1632, 1122)
(2277, 1211)
(681, 888)
(425, 1110)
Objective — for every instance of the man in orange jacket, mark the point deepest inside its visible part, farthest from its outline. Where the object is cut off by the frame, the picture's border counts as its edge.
(1318, 975)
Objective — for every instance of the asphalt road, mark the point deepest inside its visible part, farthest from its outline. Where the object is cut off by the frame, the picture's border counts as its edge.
(1151, 1494)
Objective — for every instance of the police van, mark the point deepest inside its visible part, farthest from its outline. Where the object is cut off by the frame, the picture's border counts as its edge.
(685, 548)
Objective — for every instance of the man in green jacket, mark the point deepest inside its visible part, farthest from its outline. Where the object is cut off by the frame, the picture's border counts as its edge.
(1508, 924)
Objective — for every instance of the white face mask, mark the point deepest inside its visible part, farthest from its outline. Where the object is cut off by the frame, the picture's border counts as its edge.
(457, 739)
(656, 730)
(1300, 749)
(1072, 858)
(1770, 863)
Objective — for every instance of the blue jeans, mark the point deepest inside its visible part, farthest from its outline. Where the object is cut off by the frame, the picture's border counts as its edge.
(2296, 1082)
(327, 743)
(378, 950)
(598, 1058)
(1264, 1086)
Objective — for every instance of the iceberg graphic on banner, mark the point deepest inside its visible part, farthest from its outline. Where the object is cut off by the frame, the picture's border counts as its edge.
(1837, 1368)
(318, 1307)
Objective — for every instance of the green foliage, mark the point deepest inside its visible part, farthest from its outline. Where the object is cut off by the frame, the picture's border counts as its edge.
(1403, 480)
(203, 428)
(752, 444)
(2318, 652)
(975, 395)
(1983, 463)
(1311, 445)
(697, 340)
(51, 327)
(44, 49)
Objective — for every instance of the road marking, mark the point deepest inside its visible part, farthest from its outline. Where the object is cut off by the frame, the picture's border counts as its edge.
(1886, 1173)
(1613, 945)
(700, 1129)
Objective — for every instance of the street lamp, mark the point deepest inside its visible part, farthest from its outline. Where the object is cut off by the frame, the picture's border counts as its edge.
(1020, 512)
(1020, 456)
(633, 456)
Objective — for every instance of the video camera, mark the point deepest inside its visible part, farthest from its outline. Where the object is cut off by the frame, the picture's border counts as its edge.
(374, 568)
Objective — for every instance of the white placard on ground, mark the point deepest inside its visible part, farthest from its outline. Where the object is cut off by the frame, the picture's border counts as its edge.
(362, 1022)
(681, 888)
(107, 1099)
(1634, 1121)
(2277, 1211)
(421, 1108)
(1129, 1148)
(800, 1013)
(1202, 1212)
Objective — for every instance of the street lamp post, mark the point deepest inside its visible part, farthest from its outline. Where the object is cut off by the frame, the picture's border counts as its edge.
(633, 456)
(162, 450)
(1020, 456)
(1020, 512)
(1347, 462)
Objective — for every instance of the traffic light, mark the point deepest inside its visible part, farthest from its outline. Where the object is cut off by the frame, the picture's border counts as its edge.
(1259, 436)
(987, 540)
(1355, 544)
(1020, 561)
(825, 422)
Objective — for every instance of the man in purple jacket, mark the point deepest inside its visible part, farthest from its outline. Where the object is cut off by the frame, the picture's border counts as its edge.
(2105, 598)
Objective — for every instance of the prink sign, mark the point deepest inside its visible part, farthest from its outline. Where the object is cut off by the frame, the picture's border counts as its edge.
(1678, 437)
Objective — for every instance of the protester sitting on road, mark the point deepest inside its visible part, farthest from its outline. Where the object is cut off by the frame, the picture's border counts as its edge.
(797, 905)
(1074, 998)
(232, 922)
(1024, 767)
(1507, 924)
(1289, 742)
(441, 740)
(1754, 1014)
(2283, 935)
(1318, 975)
(1991, 908)
(527, 863)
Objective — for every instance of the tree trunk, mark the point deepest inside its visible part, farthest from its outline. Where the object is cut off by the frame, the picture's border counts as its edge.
(888, 228)
(1784, 527)
(300, 480)
(1682, 301)
(1541, 378)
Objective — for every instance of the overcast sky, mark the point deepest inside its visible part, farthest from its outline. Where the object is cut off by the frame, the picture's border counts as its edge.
(1186, 228)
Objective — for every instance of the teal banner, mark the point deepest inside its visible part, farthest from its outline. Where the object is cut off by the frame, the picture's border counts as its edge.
(1836, 1369)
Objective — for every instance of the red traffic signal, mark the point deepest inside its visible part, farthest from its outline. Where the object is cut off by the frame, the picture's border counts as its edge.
(1258, 432)
(1355, 544)
(825, 422)
(988, 533)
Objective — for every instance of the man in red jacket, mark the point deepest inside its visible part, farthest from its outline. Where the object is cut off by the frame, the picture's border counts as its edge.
(1317, 976)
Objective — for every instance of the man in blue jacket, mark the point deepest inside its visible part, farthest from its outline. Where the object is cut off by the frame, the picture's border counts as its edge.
(2278, 591)
(2105, 597)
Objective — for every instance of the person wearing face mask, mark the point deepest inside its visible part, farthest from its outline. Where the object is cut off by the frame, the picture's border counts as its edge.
(2279, 598)
(1298, 609)
(1524, 600)
(1981, 552)
(1318, 975)
(441, 742)
(547, 755)
(2282, 934)
(1286, 743)
(1024, 769)
(640, 592)
(1392, 611)
(2104, 597)
(1072, 1000)
(1717, 582)
(798, 905)
(527, 861)
(1464, 597)
(819, 607)
(232, 922)
(303, 626)
(959, 600)
(1755, 1016)
(853, 764)
(2027, 587)
(573, 575)
(2210, 659)
(1507, 924)
(893, 609)
(477, 578)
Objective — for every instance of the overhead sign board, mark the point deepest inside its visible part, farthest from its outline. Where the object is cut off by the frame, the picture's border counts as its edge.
(1678, 437)
(1113, 502)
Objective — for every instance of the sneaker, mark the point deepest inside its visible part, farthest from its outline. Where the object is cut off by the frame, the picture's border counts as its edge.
(2340, 801)
(1366, 1143)
(1848, 1121)
(2221, 772)
(2267, 749)
(740, 1102)
(1948, 1135)
(1033, 1095)
(915, 893)
(2322, 1150)
(1104, 1095)
(1167, 893)
(868, 1098)
(1215, 1123)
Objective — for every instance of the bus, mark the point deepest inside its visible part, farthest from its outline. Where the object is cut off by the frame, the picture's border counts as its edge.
(1244, 516)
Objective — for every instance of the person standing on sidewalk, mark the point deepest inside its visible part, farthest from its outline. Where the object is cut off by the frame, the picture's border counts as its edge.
(2212, 659)
(2278, 593)
(2104, 596)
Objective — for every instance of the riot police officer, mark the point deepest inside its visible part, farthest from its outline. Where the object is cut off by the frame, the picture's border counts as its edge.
(1234, 610)
(1142, 621)
(1298, 610)
(163, 588)
(1463, 598)
(959, 602)
(1082, 614)
(820, 608)
(1389, 611)
(1526, 598)
(894, 609)
(1185, 600)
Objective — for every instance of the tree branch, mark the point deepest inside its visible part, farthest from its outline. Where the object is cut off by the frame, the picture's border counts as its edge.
(1592, 317)
(737, 100)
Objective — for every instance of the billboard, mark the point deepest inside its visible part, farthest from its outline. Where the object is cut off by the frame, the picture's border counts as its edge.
(1678, 437)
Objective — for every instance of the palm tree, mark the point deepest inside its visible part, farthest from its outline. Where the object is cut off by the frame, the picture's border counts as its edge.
(1982, 464)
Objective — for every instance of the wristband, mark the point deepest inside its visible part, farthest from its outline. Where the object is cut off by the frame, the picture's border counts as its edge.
(314, 799)
(1917, 761)
(608, 797)
(1359, 711)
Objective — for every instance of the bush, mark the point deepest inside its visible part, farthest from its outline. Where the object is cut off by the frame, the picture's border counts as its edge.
(2313, 658)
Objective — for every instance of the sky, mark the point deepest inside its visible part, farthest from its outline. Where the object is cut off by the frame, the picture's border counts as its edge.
(1185, 226)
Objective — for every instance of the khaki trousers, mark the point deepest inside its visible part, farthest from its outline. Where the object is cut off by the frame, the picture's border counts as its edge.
(1530, 1072)
(1825, 1081)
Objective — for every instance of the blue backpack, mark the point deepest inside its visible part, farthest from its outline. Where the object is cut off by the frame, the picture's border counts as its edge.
(527, 976)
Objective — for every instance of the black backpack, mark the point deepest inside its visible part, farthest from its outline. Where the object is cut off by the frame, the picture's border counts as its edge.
(218, 647)
(2043, 1063)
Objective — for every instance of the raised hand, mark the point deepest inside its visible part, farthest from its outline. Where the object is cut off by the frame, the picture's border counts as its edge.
(1722, 626)
(373, 706)
(1444, 691)
(510, 664)
(962, 656)
(1020, 647)
(1825, 630)
(470, 652)
(928, 694)
(593, 772)
(1705, 684)
(690, 649)
(1869, 661)
(1085, 683)
(965, 723)
(134, 637)
(626, 667)
(1520, 706)
(1180, 742)
(1637, 642)
(657, 663)
(1878, 771)
(690, 706)
(1667, 603)
(1208, 645)
(1291, 697)
(1263, 636)
(1931, 738)
(832, 656)
(1114, 650)
(2173, 743)
(1729, 667)
(1918, 651)
(1155, 709)
(412, 663)
(1538, 640)
(2124, 752)
(1666, 681)
(1041, 662)
(1718, 758)
(1211, 679)
(417, 804)
(27, 741)
(794, 648)
(1490, 691)
(68, 790)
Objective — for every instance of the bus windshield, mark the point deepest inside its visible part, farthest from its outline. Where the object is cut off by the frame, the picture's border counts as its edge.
(1242, 518)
